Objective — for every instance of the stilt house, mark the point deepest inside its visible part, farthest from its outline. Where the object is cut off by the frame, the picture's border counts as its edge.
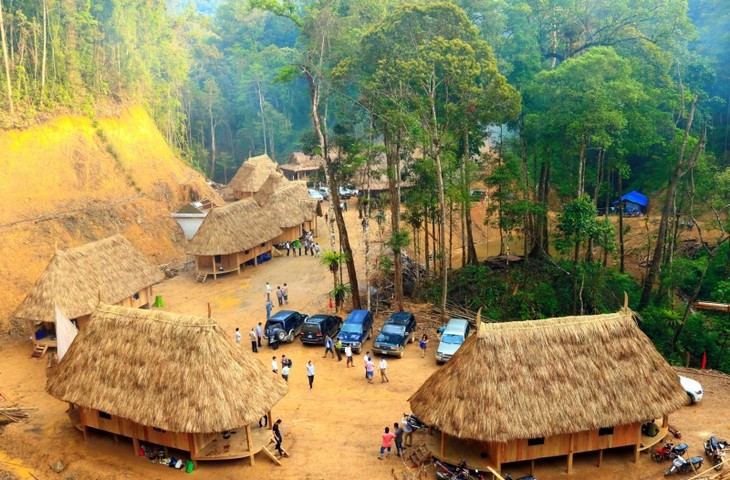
(76, 280)
(231, 236)
(251, 176)
(301, 166)
(289, 206)
(170, 380)
(525, 390)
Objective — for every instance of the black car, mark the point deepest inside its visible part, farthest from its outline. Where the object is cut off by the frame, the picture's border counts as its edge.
(398, 330)
(317, 327)
(284, 325)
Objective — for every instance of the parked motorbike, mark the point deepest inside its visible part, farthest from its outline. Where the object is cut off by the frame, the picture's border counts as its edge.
(680, 465)
(669, 452)
(445, 471)
(526, 477)
(715, 451)
(414, 422)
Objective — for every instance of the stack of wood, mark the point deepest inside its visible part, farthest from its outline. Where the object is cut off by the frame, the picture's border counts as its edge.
(12, 413)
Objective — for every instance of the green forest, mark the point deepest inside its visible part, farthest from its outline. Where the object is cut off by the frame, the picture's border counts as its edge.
(580, 102)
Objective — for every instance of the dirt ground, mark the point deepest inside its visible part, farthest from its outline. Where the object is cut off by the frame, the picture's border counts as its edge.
(331, 431)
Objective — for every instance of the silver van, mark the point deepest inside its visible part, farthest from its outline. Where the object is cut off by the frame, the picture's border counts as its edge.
(452, 337)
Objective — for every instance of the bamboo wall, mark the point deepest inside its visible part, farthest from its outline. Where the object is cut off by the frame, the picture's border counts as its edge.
(128, 428)
(288, 234)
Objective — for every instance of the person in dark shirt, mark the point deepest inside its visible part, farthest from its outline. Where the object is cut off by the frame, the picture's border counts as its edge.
(278, 438)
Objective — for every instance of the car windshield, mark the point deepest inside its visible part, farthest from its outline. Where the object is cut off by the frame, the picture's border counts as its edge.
(310, 328)
(451, 338)
(352, 328)
(397, 329)
(386, 337)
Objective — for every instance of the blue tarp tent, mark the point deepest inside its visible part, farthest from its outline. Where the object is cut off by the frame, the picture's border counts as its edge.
(635, 203)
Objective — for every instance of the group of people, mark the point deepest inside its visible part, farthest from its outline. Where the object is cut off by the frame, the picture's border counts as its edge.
(402, 436)
(306, 240)
(370, 368)
(256, 334)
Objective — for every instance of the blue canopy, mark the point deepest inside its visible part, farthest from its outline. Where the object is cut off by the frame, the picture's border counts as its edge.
(636, 197)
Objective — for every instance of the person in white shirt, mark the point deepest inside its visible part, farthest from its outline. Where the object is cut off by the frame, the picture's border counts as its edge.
(348, 354)
(238, 336)
(254, 338)
(285, 372)
(274, 365)
(366, 358)
(382, 366)
(310, 373)
(268, 291)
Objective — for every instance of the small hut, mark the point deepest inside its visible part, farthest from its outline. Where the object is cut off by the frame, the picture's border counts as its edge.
(231, 236)
(76, 280)
(167, 379)
(251, 176)
(289, 206)
(301, 166)
(521, 391)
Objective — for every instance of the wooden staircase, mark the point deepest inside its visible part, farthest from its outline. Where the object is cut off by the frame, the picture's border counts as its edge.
(39, 351)
(201, 277)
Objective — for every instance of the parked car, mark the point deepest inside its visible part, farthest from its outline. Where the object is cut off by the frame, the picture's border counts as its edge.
(347, 192)
(477, 195)
(314, 194)
(285, 325)
(325, 192)
(317, 327)
(452, 337)
(693, 389)
(357, 328)
(397, 330)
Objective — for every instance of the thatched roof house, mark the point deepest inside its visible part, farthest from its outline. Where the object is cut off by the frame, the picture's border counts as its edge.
(251, 176)
(527, 390)
(232, 235)
(301, 166)
(159, 376)
(288, 205)
(109, 270)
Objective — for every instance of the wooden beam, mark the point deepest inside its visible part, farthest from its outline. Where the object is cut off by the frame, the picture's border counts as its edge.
(250, 444)
(443, 442)
(135, 445)
(719, 307)
(570, 455)
(600, 458)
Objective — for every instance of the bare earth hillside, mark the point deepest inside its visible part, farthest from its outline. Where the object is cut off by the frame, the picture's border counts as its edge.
(71, 181)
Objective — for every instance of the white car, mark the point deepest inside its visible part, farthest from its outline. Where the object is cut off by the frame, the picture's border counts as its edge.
(325, 192)
(314, 194)
(693, 389)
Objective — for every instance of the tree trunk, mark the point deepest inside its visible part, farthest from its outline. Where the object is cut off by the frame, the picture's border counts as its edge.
(425, 241)
(622, 268)
(263, 117)
(45, 50)
(679, 171)
(442, 235)
(541, 247)
(8, 83)
(392, 156)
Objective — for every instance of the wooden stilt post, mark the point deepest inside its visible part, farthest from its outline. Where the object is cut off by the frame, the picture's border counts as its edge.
(600, 458)
(250, 444)
(271, 425)
(443, 442)
(135, 445)
(116, 439)
(532, 467)
(570, 454)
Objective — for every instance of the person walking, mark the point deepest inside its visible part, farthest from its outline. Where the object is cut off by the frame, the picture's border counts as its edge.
(387, 444)
(259, 332)
(264, 420)
(348, 354)
(316, 249)
(237, 335)
(268, 291)
(366, 359)
(269, 307)
(328, 346)
(310, 373)
(285, 371)
(298, 246)
(398, 431)
(382, 366)
(280, 296)
(278, 438)
(369, 370)
(274, 365)
(407, 432)
(285, 293)
(423, 344)
(254, 341)
(287, 245)
(338, 348)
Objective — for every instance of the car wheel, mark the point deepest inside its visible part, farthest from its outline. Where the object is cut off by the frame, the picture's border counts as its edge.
(370, 333)
(282, 335)
(691, 398)
(400, 354)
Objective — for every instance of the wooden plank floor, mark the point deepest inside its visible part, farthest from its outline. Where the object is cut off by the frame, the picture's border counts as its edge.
(235, 446)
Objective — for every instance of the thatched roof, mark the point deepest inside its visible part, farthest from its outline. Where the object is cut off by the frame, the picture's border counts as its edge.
(175, 372)
(301, 162)
(74, 280)
(287, 203)
(233, 228)
(252, 174)
(541, 378)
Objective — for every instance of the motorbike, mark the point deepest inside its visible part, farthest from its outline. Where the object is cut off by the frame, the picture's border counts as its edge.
(680, 465)
(445, 471)
(526, 477)
(669, 452)
(414, 422)
(715, 451)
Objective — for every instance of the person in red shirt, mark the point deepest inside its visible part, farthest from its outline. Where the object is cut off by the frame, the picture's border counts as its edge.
(387, 443)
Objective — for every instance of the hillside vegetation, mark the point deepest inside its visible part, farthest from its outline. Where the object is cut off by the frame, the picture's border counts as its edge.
(73, 180)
